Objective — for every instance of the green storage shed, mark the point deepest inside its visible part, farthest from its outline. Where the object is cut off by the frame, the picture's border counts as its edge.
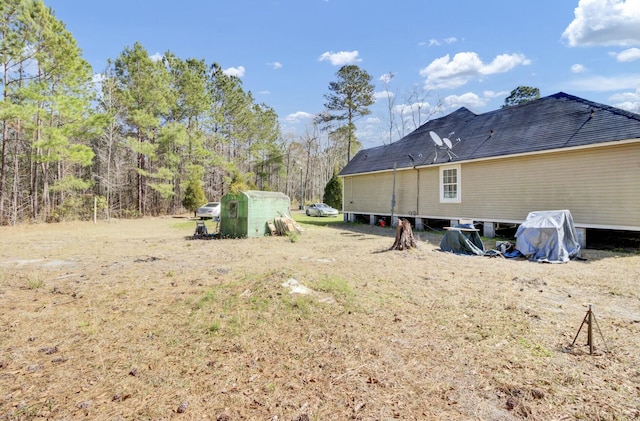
(245, 214)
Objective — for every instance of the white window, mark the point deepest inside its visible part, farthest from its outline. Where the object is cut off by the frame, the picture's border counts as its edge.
(450, 190)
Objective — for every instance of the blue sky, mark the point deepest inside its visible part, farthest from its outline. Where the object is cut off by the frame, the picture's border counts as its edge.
(441, 53)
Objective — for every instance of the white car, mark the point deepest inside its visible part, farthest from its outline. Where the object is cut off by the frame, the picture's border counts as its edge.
(209, 211)
(321, 209)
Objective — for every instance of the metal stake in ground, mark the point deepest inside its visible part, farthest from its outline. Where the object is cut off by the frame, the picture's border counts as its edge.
(589, 319)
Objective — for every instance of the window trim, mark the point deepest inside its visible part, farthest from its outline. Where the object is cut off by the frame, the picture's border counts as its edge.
(458, 198)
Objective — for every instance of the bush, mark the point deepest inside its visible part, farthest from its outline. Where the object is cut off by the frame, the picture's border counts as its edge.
(194, 194)
(333, 192)
(79, 207)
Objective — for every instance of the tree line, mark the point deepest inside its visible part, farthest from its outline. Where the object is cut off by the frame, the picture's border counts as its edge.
(153, 136)
(142, 137)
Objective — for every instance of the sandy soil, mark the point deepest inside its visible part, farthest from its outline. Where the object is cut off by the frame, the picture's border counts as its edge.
(135, 320)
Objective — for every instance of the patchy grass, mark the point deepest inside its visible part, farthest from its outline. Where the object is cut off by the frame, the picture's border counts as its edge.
(141, 320)
(318, 220)
(35, 282)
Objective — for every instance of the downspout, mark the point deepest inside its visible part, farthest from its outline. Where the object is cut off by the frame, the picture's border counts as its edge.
(417, 183)
(343, 184)
(417, 190)
(393, 194)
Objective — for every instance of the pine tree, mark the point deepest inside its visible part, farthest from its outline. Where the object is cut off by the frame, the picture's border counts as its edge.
(349, 99)
(188, 114)
(520, 95)
(15, 31)
(333, 192)
(143, 90)
(193, 193)
(56, 100)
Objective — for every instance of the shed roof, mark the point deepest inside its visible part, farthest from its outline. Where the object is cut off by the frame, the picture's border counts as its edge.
(554, 122)
(259, 194)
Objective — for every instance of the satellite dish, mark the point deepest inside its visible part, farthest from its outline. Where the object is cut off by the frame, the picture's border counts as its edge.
(436, 138)
(447, 142)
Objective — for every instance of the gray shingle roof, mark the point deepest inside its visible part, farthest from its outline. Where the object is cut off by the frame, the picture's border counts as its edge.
(550, 123)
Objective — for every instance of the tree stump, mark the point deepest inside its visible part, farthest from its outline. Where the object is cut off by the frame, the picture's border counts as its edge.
(404, 236)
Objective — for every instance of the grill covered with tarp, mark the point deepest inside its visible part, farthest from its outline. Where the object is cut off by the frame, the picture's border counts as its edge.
(548, 236)
(462, 239)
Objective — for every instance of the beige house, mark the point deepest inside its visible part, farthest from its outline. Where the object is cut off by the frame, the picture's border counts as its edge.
(557, 152)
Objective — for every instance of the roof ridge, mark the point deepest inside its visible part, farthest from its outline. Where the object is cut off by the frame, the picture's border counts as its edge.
(615, 110)
(549, 123)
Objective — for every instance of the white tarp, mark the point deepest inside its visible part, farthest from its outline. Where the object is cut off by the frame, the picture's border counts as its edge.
(548, 236)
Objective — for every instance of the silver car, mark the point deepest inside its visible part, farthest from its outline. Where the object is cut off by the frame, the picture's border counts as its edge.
(209, 211)
(321, 209)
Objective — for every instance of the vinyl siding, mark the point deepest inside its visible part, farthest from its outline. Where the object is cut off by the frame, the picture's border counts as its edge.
(600, 186)
(371, 193)
(406, 183)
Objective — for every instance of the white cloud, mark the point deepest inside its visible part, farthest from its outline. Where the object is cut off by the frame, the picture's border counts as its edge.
(604, 83)
(386, 78)
(275, 65)
(373, 120)
(372, 131)
(96, 83)
(444, 72)
(98, 78)
(469, 100)
(451, 103)
(418, 112)
(629, 101)
(156, 57)
(340, 58)
(264, 92)
(298, 116)
(407, 116)
(435, 42)
(626, 96)
(503, 63)
(604, 22)
(383, 95)
(494, 94)
(463, 66)
(577, 68)
(633, 107)
(628, 55)
(417, 107)
(234, 71)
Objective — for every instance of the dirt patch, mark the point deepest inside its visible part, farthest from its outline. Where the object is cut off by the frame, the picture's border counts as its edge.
(133, 320)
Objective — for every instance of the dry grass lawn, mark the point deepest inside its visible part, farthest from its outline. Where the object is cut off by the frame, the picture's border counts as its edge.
(133, 320)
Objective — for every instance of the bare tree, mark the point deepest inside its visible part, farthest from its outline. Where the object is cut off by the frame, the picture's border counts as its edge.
(420, 109)
(391, 101)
